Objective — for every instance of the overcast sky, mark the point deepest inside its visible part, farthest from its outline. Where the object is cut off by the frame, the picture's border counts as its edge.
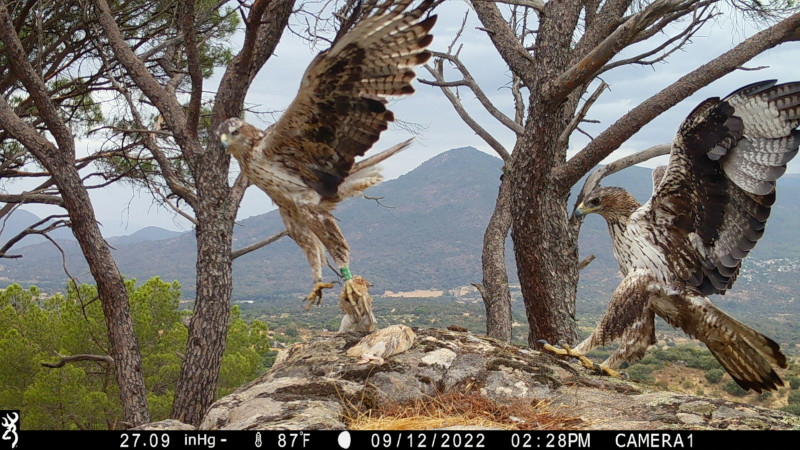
(122, 211)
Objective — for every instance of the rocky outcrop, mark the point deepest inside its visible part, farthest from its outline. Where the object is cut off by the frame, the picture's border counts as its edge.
(313, 385)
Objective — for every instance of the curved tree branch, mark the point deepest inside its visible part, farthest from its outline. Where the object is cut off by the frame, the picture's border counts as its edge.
(479, 130)
(253, 247)
(608, 141)
(75, 358)
(623, 163)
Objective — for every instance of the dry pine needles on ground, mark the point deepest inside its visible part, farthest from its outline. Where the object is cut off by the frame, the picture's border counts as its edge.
(470, 409)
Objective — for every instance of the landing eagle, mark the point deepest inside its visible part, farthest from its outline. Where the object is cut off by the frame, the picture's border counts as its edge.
(306, 161)
(707, 211)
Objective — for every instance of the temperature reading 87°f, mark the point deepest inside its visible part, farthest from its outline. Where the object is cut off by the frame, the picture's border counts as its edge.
(294, 440)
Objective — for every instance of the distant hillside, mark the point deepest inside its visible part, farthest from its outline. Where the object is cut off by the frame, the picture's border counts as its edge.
(19, 220)
(147, 234)
(426, 233)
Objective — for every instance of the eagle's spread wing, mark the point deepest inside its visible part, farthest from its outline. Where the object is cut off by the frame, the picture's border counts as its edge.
(340, 110)
(715, 197)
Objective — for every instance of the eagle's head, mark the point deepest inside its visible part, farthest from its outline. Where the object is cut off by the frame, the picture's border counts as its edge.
(613, 203)
(238, 136)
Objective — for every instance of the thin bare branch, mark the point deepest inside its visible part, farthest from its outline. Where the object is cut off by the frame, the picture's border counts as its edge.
(588, 67)
(31, 230)
(753, 69)
(667, 47)
(470, 82)
(586, 261)
(75, 358)
(784, 31)
(623, 163)
(63, 258)
(28, 197)
(253, 247)
(165, 200)
(479, 130)
(563, 139)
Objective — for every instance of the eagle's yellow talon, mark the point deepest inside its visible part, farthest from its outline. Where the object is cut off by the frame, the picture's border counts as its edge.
(352, 293)
(585, 362)
(315, 297)
(356, 303)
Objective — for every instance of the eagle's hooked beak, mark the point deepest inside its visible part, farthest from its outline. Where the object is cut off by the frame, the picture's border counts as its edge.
(223, 138)
(580, 211)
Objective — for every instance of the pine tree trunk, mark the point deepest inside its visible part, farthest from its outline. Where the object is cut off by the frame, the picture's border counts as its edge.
(112, 293)
(547, 261)
(215, 212)
(495, 292)
(208, 328)
(545, 245)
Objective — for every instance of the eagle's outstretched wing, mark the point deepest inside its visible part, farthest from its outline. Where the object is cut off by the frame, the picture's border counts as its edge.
(340, 111)
(715, 197)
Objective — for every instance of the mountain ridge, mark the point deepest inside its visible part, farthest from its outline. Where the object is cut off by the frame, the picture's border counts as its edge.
(426, 232)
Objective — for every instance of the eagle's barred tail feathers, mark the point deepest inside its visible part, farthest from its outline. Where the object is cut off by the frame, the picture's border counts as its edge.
(367, 173)
(748, 356)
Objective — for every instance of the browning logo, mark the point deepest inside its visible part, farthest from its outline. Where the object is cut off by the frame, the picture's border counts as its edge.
(10, 421)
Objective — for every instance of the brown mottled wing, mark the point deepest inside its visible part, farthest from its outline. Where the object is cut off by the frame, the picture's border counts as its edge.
(713, 202)
(340, 109)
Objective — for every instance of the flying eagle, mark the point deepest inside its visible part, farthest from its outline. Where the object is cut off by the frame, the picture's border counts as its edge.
(305, 162)
(707, 211)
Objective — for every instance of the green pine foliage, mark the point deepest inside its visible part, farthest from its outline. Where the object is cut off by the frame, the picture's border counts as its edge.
(36, 329)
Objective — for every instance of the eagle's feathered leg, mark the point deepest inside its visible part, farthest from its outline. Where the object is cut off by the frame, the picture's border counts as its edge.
(628, 318)
(314, 251)
(324, 226)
